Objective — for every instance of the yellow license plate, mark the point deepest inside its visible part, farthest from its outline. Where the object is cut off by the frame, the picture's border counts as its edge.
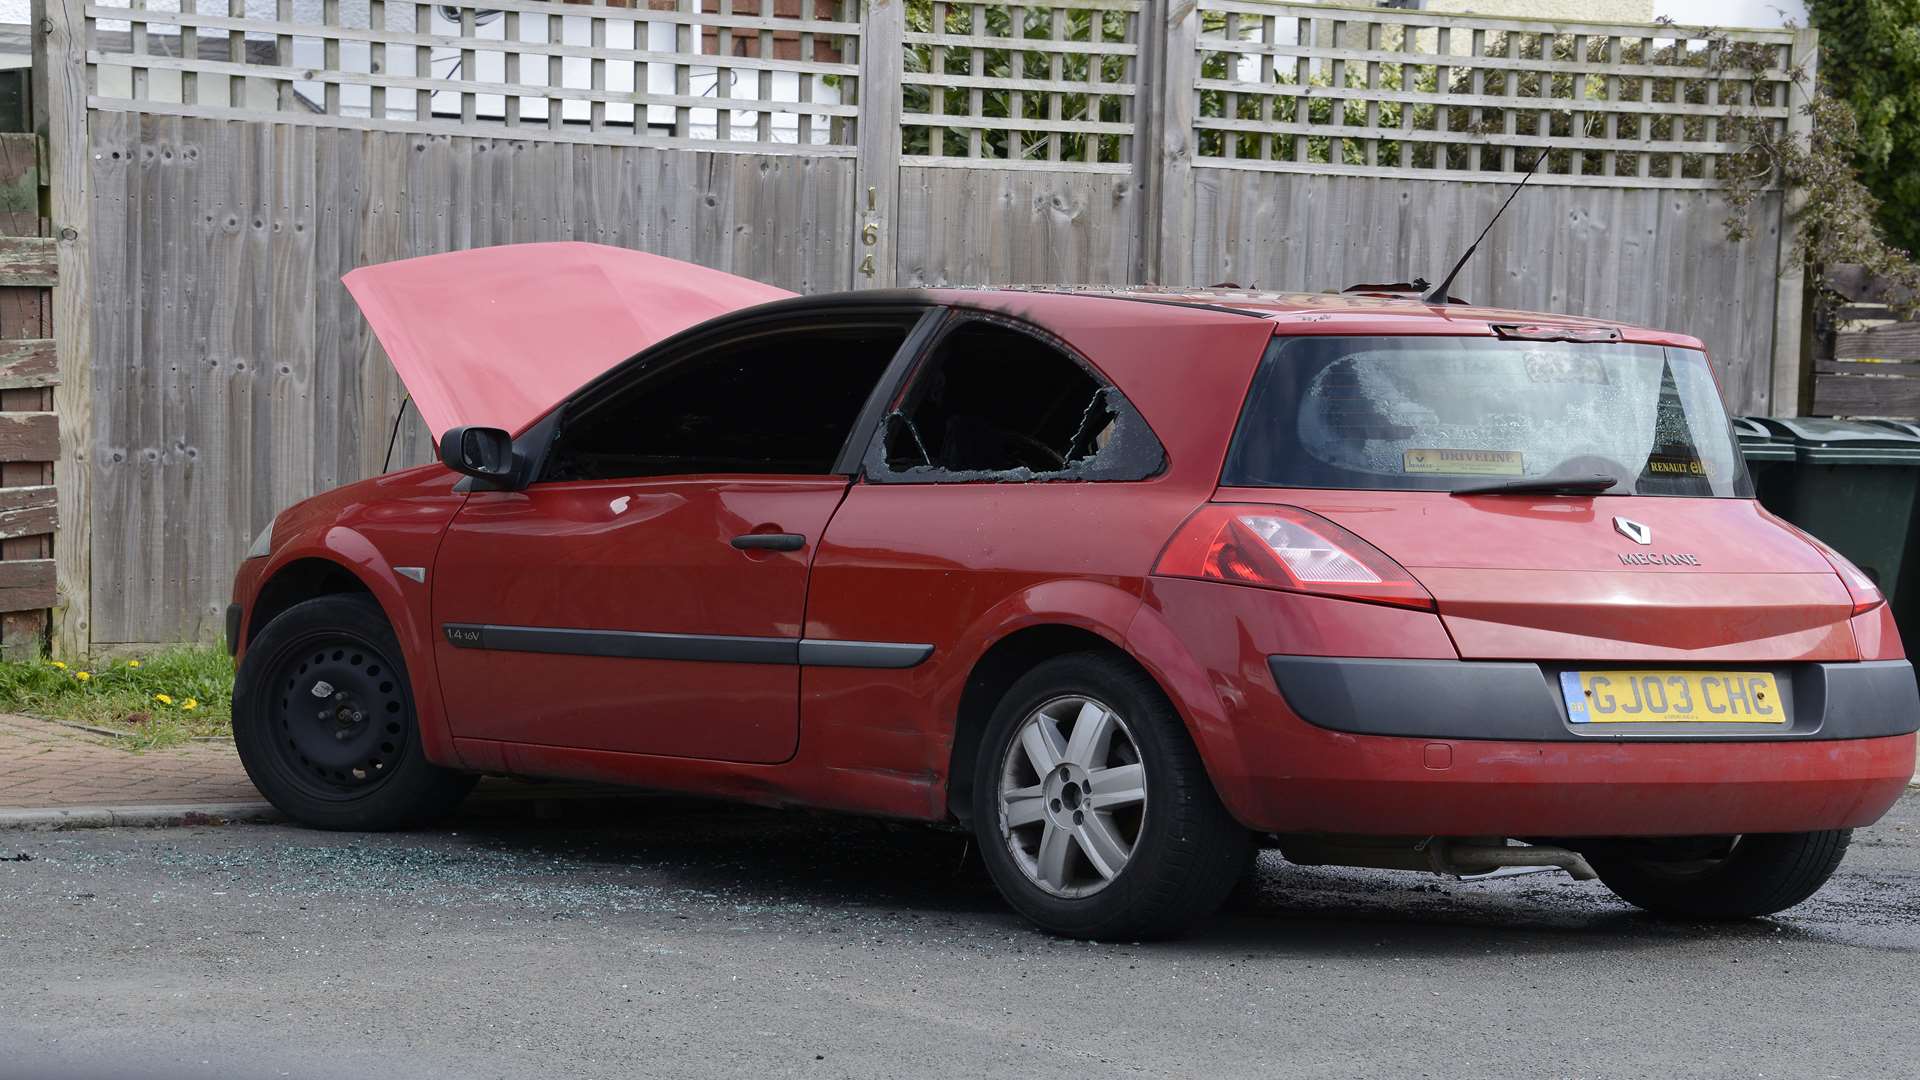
(1672, 697)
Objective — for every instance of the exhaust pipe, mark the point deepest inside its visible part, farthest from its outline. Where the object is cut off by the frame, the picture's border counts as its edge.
(1461, 859)
(1452, 856)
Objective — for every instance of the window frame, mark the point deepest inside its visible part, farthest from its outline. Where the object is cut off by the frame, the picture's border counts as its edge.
(919, 318)
(873, 460)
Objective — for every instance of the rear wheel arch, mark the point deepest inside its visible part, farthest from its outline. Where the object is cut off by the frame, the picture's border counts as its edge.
(993, 674)
(1092, 811)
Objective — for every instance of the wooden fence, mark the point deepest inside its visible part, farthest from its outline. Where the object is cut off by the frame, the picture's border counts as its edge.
(1866, 361)
(221, 164)
(29, 440)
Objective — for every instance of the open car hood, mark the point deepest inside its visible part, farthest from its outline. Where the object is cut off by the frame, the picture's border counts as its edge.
(497, 336)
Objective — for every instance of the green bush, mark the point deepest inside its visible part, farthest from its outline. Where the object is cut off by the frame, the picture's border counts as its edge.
(1870, 59)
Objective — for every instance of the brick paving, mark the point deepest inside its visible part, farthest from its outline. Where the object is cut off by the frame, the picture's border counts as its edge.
(46, 765)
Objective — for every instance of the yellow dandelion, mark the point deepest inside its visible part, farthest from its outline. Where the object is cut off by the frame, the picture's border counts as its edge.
(58, 664)
(83, 676)
(133, 663)
(189, 704)
(163, 699)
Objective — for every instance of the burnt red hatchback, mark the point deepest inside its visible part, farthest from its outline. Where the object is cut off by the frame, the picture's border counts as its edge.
(1124, 581)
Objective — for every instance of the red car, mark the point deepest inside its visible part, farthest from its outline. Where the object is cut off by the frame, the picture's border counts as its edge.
(1127, 581)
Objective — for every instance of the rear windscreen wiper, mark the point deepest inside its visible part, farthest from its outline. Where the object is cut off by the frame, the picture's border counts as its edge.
(1543, 485)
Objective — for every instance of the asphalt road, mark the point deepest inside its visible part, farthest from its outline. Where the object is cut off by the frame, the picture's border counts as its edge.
(674, 938)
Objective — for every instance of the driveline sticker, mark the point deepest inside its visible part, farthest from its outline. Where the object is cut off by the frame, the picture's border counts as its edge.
(1465, 462)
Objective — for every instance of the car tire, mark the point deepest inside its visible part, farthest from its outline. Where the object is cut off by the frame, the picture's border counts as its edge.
(1761, 875)
(1098, 863)
(324, 722)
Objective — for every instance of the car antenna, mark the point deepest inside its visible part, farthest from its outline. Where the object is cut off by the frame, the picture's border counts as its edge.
(1438, 294)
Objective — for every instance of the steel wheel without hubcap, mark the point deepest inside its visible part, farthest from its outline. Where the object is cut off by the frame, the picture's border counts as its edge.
(338, 719)
(1073, 796)
(323, 719)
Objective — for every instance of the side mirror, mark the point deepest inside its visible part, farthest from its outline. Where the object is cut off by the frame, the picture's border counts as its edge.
(482, 452)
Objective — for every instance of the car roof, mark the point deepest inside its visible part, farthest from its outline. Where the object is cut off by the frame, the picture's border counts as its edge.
(1291, 313)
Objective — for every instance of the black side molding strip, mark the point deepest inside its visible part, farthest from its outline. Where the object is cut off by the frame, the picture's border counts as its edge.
(715, 648)
(624, 644)
(815, 652)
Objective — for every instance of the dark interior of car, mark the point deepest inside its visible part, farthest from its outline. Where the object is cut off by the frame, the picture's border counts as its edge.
(781, 402)
(994, 399)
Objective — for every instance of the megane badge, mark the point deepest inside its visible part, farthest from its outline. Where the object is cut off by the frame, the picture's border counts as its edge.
(1633, 530)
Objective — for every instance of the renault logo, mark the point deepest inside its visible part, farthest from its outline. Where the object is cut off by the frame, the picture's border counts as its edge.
(1633, 530)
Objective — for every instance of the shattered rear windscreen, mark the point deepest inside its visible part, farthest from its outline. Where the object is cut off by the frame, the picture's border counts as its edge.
(1400, 413)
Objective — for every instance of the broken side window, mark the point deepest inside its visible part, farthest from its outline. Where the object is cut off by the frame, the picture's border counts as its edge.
(1000, 403)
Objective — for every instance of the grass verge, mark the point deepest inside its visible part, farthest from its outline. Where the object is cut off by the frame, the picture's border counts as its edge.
(157, 700)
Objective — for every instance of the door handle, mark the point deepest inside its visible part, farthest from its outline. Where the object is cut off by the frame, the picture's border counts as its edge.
(770, 541)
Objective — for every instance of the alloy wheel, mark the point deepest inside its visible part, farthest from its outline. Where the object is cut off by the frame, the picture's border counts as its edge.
(1073, 796)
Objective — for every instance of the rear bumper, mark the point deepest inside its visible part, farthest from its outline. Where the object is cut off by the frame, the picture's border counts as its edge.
(1515, 770)
(1395, 786)
(1447, 748)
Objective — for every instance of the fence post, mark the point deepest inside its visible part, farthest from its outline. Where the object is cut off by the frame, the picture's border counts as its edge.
(1177, 34)
(877, 173)
(60, 119)
(1148, 76)
(1788, 395)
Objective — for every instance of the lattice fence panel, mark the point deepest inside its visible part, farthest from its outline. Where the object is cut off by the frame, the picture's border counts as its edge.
(1013, 86)
(759, 75)
(1316, 88)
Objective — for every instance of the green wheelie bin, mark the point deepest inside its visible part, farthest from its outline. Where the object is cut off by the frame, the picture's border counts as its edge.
(1854, 484)
(1770, 460)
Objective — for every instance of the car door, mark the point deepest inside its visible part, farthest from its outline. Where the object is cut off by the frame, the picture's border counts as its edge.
(646, 594)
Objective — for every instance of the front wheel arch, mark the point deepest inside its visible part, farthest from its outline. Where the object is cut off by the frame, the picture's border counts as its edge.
(340, 561)
(300, 580)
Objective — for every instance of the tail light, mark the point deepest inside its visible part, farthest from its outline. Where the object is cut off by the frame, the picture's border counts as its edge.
(1285, 547)
(1866, 595)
